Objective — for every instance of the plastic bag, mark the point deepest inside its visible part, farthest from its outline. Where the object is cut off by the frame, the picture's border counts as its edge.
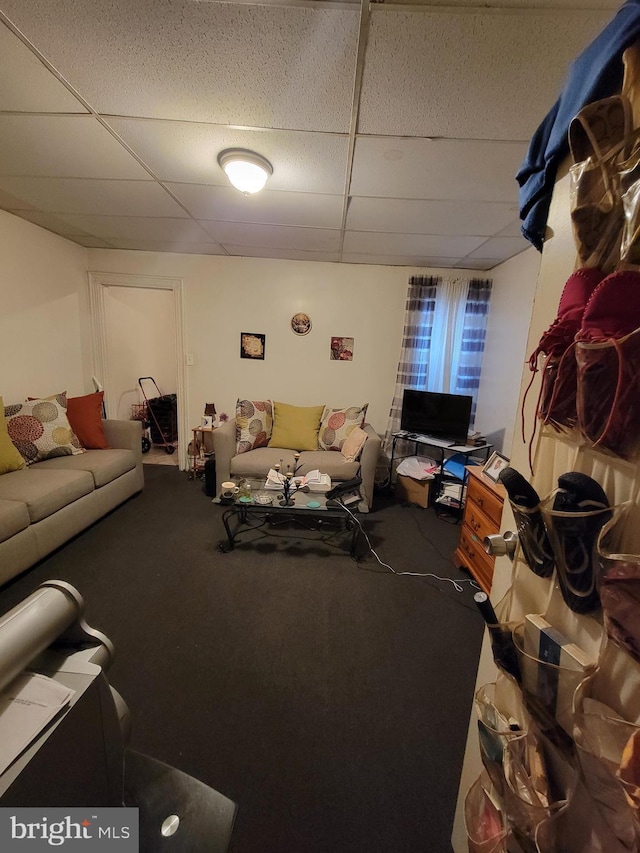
(418, 467)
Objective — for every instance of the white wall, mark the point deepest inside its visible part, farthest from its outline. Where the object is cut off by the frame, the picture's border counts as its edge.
(44, 336)
(140, 327)
(514, 284)
(45, 326)
(226, 296)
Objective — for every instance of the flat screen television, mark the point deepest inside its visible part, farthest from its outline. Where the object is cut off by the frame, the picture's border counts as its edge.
(442, 416)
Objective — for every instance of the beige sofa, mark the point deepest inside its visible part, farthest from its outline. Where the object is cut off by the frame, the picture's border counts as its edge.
(257, 462)
(45, 504)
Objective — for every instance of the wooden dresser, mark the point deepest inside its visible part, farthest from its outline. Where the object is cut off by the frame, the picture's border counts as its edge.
(482, 516)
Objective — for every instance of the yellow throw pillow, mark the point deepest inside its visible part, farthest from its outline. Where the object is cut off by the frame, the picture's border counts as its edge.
(10, 458)
(296, 427)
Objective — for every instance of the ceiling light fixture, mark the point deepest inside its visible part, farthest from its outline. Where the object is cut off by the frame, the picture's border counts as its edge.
(246, 170)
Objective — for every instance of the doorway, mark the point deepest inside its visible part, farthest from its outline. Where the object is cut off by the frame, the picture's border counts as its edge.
(138, 335)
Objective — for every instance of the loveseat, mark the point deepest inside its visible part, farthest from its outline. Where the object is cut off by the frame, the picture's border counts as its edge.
(47, 503)
(234, 458)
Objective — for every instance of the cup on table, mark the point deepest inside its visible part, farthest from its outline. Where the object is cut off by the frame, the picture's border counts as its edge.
(229, 490)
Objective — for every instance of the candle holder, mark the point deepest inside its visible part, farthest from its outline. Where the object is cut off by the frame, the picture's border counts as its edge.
(288, 484)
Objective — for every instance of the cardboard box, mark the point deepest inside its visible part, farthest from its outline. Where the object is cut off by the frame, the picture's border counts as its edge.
(412, 491)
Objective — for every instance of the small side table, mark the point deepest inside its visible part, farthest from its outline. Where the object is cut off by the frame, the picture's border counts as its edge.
(197, 455)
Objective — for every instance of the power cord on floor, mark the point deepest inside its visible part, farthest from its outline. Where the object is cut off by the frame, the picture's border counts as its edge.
(457, 584)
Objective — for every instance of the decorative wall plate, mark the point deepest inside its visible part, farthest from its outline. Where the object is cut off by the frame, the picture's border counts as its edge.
(301, 324)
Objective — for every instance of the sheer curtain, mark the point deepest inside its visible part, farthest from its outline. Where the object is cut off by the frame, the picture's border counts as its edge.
(416, 345)
(443, 340)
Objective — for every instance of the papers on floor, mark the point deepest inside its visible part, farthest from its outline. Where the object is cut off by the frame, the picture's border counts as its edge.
(27, 706)
(418, 467)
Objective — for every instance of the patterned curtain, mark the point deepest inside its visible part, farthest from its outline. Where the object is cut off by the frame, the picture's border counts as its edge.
(465, 362)
(416, 344)
(473, 339)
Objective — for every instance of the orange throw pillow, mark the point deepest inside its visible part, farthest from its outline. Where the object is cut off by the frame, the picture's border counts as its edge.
(85, 417)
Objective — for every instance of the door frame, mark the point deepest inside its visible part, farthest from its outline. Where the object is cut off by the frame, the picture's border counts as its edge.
(98, 282)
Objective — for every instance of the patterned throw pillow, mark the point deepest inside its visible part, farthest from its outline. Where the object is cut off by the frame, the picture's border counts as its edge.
(337, 424)
(254, 423)
(40, 430)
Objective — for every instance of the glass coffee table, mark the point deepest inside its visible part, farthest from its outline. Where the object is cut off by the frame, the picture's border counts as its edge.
(266, 512)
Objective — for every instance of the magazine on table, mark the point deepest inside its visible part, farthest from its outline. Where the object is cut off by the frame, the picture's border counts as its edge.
(315, 480)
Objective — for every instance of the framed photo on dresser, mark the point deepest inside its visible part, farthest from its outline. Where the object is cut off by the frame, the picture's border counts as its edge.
(494, 464)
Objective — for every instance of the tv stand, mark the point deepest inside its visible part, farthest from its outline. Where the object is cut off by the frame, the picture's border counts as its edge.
(426, 439)
(446, 448)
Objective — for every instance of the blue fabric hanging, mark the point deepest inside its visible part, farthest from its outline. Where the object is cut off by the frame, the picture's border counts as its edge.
(597, 73)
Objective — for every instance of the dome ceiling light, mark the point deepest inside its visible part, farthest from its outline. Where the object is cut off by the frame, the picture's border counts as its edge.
(246, 170)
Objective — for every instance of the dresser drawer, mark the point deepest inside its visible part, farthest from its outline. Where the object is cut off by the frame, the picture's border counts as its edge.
(486, 500)
(478, 561)
(477, 522)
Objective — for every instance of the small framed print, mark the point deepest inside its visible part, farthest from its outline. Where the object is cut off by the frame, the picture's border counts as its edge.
(252, 345)
(301, 324)
(494, 464)
(341, 349)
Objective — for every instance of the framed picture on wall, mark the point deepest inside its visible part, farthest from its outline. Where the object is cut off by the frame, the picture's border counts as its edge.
(494, 464)
(252, 345)
(301, 323)
(341, 349)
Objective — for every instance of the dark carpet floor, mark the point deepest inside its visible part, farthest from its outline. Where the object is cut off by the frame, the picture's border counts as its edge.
(328, 698)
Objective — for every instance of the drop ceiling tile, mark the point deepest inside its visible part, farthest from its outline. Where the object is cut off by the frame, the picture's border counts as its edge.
(500, 70)
(287, 254)
(100, 197)
(361, 242)
(140, 228)
(90, 242)
(398, 260)
(262, 66)
(513, 229)
(267, 208)
(439, 169)
(12, 203)
(483, 265)
(168, 246)
(428, 217)
(50, 222)
(274, 236)
(187, 152)
(63, 147)
(501, 248)
(26, 85)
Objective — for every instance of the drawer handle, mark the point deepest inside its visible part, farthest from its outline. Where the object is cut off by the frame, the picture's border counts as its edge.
(475, 524)
(480, 501)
